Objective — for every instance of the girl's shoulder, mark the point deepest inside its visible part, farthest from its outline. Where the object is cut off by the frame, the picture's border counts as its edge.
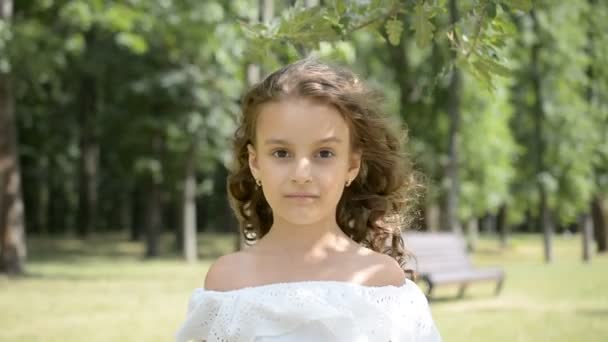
(365, 267)
(228, 272)
(377, 268)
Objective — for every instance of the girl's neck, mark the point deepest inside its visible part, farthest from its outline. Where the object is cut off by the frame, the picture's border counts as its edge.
(308, 241)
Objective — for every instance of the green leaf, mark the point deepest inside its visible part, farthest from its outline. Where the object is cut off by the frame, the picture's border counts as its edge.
(214, 12)
(77, 13)
(523, 5)
(253, 31)
(491, 10)
(422, 26)
(75, 43)
(394, 28)
(482, 73)
(132, 41)
(495, 67)
(340, 7)
(120, 17)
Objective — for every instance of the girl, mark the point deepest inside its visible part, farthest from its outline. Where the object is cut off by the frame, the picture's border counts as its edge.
(321, 189)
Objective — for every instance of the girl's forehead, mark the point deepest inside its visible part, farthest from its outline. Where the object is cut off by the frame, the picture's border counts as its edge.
(300, 120)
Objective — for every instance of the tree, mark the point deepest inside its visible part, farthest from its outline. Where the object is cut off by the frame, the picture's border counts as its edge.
(13, 250)
(449, 221)
(552, 120)
(597, 100)
(546, 225)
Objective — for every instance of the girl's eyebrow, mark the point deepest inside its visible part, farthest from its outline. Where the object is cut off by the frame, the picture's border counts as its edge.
(285, 142)
(276, 142)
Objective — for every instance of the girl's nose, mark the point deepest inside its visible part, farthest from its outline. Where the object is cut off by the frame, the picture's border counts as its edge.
(302, 171)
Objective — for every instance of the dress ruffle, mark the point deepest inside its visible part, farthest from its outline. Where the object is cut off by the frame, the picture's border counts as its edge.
(347, 311)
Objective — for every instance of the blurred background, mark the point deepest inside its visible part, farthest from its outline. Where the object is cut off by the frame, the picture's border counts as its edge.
(116, 119)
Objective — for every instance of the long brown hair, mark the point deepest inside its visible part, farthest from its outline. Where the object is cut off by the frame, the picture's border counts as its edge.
(381, 199)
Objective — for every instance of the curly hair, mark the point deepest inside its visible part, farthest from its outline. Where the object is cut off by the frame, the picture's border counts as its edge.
(380, 200)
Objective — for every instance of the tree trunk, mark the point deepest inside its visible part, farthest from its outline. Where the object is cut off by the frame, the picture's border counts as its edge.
(153, 219)
(487, 223)
(138, 214)
(43, 193)
(501, 226)
(124, 210)
(530, 224)
(472, 234)
(546, 226)
(154, 208)
(587, 235)
(35, 192)
(178, 223)
(432, 214)
(89, 158)
(13, 249)
(189, 206)
(451, 170)
(599, 211)
(57, 220)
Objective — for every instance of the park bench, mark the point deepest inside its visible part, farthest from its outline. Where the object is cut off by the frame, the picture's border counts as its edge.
(441, 258)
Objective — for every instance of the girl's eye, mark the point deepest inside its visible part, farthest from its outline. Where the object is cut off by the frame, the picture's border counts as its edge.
(326, 154)
(280, 154)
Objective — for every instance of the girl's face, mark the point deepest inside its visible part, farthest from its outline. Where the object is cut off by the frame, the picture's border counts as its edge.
(303, 158)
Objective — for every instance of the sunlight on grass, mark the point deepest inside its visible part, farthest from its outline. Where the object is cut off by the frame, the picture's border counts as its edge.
(102, 290)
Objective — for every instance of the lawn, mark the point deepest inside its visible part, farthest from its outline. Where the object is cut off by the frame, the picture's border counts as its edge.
(106, 292)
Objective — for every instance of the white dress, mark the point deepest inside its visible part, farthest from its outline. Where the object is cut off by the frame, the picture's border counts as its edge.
(310, 311)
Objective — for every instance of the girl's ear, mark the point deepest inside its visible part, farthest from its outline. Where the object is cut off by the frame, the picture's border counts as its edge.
(354, 165)
(253, 161)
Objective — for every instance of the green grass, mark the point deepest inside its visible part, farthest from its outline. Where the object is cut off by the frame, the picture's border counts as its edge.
(101, 290)
(564, 301)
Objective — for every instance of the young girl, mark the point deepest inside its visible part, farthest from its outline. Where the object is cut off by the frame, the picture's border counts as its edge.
(321, 189)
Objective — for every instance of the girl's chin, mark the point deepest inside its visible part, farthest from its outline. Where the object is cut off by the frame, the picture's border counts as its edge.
(301, 219)
(298, 221)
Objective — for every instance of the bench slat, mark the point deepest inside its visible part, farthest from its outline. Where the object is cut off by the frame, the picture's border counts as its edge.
(442, 258)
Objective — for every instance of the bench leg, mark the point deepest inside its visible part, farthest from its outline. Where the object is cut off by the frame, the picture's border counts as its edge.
(462, 289)
(429, 292)
(499, 286)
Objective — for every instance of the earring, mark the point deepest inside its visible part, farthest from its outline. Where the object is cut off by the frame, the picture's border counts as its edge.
(348, 182)
(258, 182)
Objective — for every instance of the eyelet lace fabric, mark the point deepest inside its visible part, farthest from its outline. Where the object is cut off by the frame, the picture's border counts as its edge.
(310, 311)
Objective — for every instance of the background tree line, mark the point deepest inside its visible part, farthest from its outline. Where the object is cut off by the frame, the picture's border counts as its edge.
(117, 115)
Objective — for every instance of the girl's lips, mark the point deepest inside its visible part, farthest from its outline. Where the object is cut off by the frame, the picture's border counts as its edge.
(301, 195)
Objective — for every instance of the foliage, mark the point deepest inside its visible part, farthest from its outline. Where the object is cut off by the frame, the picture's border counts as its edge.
(476, 38)
(487, 150)
(176, 78)
(167, 77)
(570, 131)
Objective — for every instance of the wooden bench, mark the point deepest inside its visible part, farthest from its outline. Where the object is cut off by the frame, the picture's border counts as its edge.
(441, 258)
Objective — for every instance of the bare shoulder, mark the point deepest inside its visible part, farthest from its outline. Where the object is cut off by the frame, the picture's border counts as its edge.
(383, 269)
(226, 272)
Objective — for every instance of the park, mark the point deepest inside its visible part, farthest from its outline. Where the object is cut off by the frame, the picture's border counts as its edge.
(116, 126)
